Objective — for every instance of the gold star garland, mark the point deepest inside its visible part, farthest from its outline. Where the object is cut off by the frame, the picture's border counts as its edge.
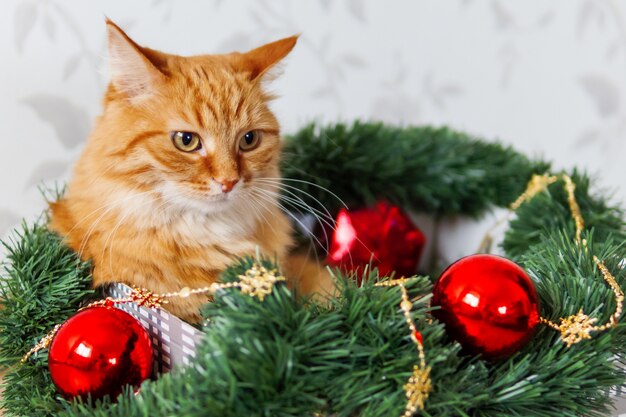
(419, 385)
(577, 327)
(257, 281)
(536, 185)
(42, 344)
(574, 328)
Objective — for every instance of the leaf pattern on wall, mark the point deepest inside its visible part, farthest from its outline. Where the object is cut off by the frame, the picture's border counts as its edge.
(508, 57)
(70, 122)
(440, 93)
(354, 61)
(50, 26)
(26, 14)
(503, 17)
(588, 137)
(357, 9)
(591, 12)
(546, 19)
(397, 109)
(603, 92)
(71, 65)
(46, 171)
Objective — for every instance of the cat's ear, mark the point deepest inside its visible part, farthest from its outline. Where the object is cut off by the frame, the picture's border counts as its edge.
(132, 72)
(259, 61)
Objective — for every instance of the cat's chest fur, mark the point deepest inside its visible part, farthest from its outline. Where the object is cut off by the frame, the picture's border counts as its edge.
(214, 241)
(165, 251)
(187, 245)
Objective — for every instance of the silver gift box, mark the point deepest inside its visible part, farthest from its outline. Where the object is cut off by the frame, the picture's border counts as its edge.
(174, 341)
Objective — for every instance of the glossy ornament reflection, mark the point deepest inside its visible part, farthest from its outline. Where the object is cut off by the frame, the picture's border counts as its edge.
(383, 235)
(488, 304)
(98, 352)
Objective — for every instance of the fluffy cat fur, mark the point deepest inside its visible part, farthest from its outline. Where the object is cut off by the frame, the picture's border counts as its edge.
(153, 216)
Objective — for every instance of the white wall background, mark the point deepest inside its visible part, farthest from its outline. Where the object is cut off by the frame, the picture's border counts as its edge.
(546, 77)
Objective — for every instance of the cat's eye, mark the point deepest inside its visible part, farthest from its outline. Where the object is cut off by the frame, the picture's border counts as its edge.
(186, 141)
(250, 140)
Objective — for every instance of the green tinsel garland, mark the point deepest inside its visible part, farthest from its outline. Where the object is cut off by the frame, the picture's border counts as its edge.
(288, 357)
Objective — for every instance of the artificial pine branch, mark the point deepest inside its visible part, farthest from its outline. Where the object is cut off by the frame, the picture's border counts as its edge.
(550, 211)
(44, 283)
(427, 169)
(287, 356)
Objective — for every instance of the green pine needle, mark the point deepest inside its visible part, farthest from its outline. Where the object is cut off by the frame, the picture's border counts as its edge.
(289, 356)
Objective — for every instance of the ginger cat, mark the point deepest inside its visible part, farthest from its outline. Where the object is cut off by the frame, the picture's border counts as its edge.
(178, 176)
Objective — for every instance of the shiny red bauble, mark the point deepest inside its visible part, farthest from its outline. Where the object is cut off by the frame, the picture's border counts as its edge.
(98, 352)
(382, 234)
(488, 304)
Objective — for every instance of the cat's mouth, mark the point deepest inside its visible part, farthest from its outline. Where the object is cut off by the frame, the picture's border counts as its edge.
(213, 194)
(198, 200)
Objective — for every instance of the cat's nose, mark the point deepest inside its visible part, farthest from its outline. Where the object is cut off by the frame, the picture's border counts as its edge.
(227, 185)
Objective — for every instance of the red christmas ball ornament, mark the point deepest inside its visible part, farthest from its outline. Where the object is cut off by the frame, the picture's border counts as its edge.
(382, 234)
(99, 351)
(488, 304)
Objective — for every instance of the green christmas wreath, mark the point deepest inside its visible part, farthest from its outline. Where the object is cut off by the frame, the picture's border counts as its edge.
(286, 356)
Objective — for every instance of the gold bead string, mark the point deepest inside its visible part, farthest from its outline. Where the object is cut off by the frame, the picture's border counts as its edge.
(619, 295)
(42, 344)
(570, 187)
(257, 281)
(577, 327)
(536, 185)
(419, 385)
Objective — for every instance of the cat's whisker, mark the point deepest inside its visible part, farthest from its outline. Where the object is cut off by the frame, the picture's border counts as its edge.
(112, 165)
(286, 188)
(293, 165)
(110, 206)
(330, 222)
(278, 205)
(333, 227)
(165, 204)
(310, 246)
(106, 244)
(309, 183)
(121, 200)
(300, 205)
(87, 236)
(284, 210)
(258, 207)
(159, 209)
(111, 235)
